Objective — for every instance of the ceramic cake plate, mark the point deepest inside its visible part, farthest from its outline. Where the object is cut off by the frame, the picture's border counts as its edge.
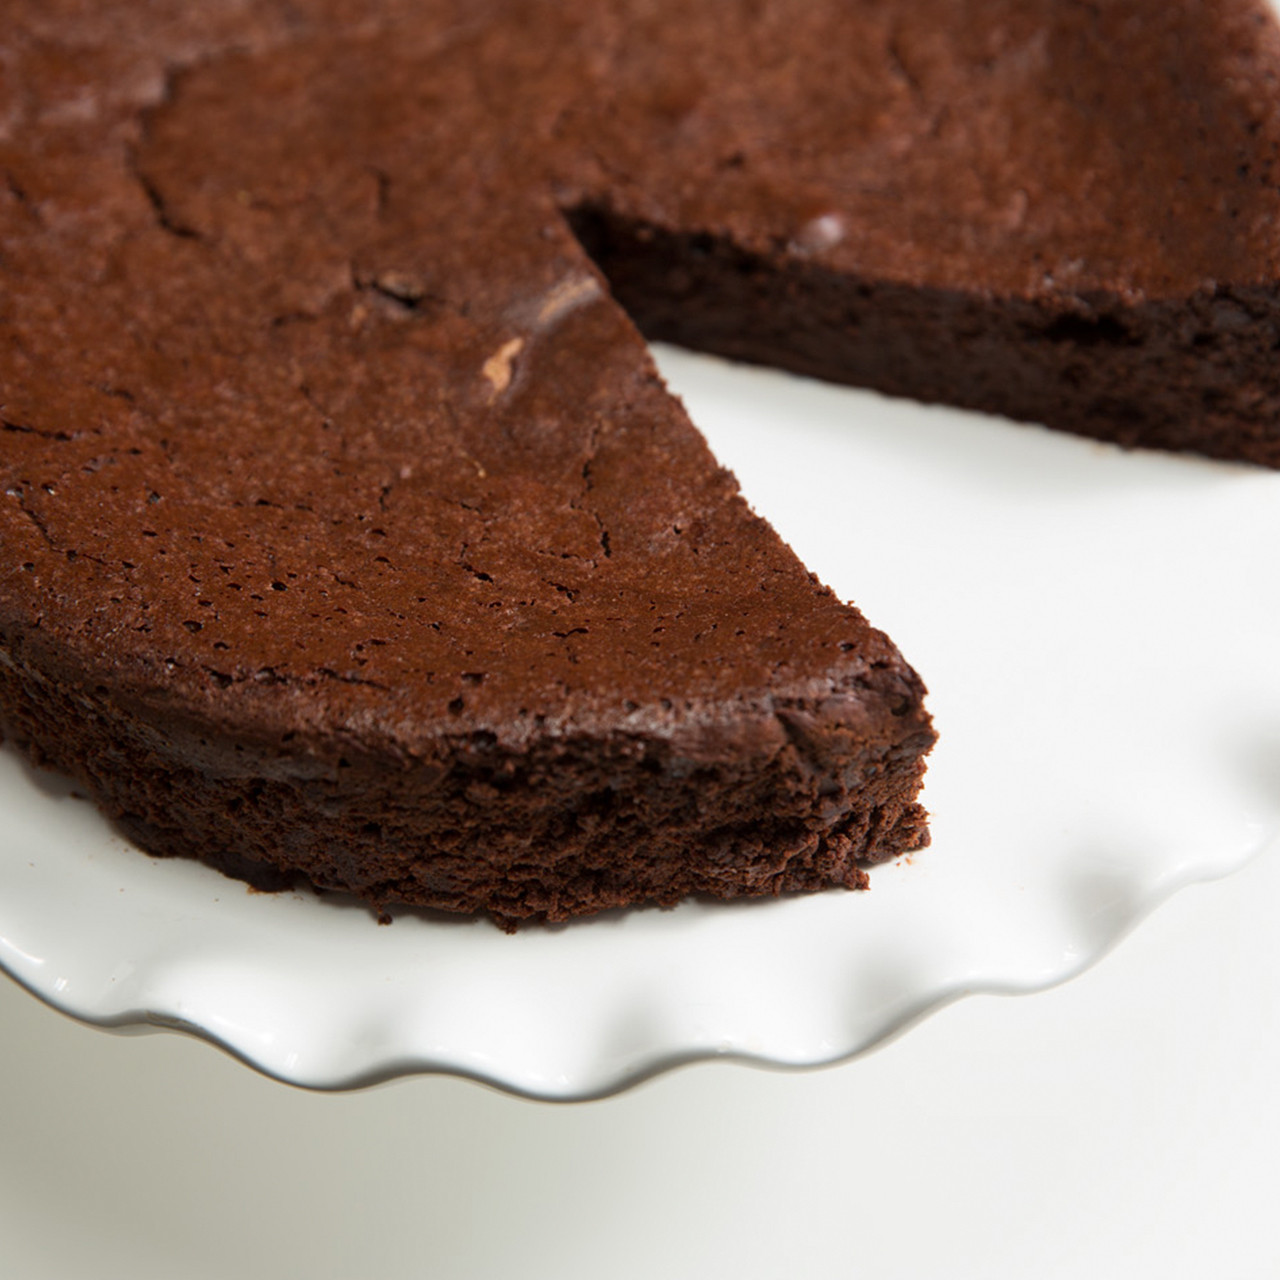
(1098, 631)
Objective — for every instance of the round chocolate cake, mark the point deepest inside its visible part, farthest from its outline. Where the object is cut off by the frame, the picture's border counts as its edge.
(349, 533)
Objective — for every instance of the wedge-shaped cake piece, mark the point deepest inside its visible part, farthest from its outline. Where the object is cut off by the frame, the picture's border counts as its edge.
(350, 533)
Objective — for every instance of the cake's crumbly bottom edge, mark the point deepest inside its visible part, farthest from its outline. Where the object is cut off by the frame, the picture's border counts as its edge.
(567, 829)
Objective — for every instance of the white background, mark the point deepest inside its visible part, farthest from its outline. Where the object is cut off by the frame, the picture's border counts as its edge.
(1126, 1124)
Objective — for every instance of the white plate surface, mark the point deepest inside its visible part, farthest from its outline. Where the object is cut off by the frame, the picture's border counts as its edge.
(1097, 629)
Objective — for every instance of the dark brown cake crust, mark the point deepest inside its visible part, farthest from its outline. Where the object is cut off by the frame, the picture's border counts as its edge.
(348, 530)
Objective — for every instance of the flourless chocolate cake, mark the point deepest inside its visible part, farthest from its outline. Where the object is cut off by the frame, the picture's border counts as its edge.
(349, 533)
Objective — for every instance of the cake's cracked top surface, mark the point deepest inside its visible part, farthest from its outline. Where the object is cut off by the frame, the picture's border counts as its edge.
(315, 407)
(1018, 148)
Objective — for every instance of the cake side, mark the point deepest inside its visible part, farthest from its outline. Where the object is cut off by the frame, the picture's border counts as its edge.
(776, 794)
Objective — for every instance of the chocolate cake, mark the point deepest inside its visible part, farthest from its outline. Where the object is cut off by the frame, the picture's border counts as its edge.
(349, 533)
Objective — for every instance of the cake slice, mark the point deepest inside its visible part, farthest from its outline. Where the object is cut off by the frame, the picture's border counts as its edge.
(351, 534)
